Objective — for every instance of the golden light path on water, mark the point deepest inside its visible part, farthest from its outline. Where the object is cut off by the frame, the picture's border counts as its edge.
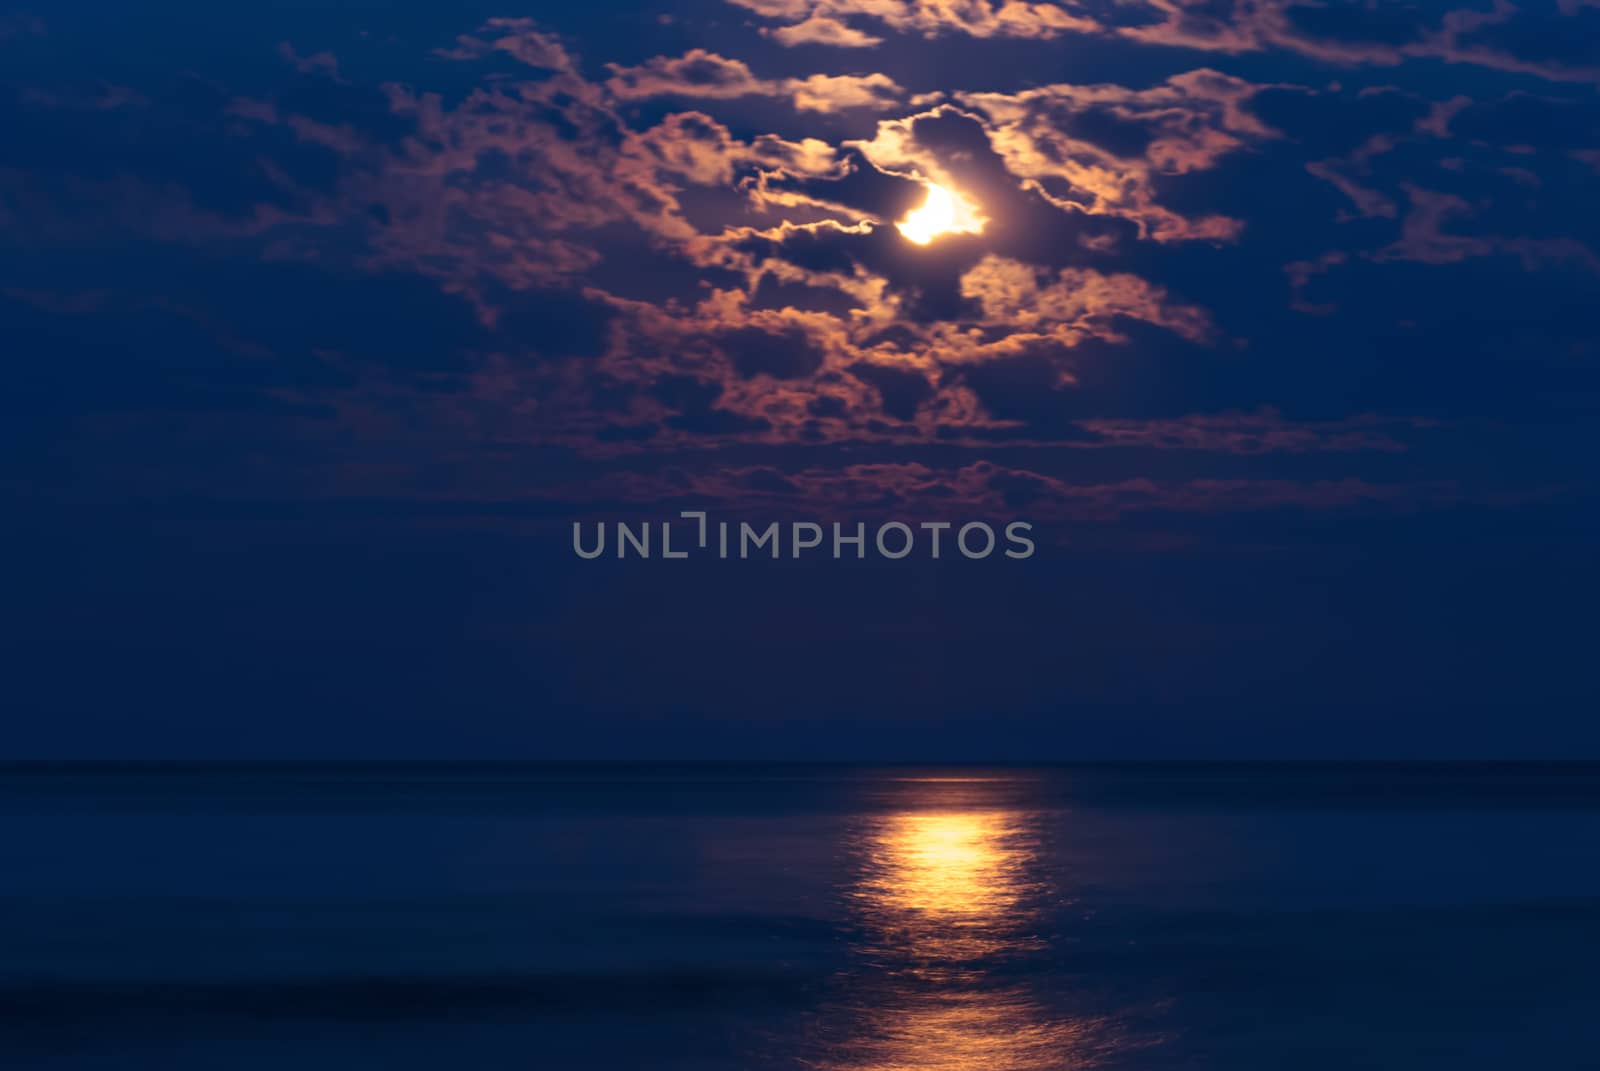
(947, 886)
(945, 899)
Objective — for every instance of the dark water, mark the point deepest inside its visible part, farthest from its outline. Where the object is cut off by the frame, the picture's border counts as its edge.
(732, 917)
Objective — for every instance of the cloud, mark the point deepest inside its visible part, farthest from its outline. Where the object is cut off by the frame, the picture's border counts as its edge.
(1537, 42)
(930, 18)
(706, 75)
(1073, 300)
(1425, 238)
(519, 38)
(820, 30)
(685, 266)
(832, 93)
(1265, 431)
(983, 490)
(1104, 147)
(1356, 33)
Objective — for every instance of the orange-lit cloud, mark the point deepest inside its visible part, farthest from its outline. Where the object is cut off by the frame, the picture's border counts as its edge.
(821, 30)
(706, 75)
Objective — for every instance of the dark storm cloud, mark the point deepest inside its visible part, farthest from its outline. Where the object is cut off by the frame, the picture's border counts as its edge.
(787, 354)
(1392, 25)
(901, 390)
(1558, 37)
(694, 409)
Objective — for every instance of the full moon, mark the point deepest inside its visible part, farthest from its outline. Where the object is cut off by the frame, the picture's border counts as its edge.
(943, 212)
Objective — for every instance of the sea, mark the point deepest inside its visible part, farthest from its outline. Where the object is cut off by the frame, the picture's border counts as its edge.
(722, 917)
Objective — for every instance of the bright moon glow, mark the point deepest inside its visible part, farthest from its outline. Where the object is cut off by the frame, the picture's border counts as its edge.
(944, 212)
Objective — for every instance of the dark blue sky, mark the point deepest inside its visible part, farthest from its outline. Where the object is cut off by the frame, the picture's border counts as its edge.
(325, 321)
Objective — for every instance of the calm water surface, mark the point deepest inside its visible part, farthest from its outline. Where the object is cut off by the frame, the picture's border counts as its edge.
(849, 918)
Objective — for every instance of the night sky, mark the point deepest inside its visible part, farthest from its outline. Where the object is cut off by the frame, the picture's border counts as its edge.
(323, 322)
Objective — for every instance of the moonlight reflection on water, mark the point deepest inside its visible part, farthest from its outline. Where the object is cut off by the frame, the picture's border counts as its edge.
(949, 905)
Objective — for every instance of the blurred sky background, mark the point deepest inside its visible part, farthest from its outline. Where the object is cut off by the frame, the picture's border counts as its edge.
(324, 322)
